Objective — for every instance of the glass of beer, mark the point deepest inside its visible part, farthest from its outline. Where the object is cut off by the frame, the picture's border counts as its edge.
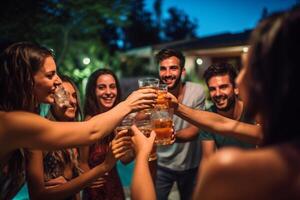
(145, 127)
(161, 120)
(162, 101)
(148, 82)
(125, 124)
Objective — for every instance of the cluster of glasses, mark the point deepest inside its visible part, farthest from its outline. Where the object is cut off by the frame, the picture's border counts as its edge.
(161, 116)
(159, 119)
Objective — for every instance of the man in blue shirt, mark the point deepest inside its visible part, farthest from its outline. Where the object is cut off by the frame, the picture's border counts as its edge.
(220, 80)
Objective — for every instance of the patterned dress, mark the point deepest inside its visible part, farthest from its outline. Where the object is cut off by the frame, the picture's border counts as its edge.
(55, 162)
(112, 189)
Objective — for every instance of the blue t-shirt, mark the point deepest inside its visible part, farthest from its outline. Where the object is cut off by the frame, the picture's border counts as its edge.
(224, 141)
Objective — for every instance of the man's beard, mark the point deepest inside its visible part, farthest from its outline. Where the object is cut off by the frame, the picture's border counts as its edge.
(231, 103)
(177, 82)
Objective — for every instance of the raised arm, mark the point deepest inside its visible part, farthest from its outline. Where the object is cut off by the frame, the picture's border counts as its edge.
(21, 129)
(142, 187)
(216, 123)
(191, 132)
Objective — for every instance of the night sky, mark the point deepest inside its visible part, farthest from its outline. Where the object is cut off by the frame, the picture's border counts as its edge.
(219, 16)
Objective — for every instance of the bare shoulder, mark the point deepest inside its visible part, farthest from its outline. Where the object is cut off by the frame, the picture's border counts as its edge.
(5, 133)
(232, 168)
(259, 162)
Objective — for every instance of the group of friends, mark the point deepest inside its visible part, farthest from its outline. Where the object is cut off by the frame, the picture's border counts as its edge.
(253, 110)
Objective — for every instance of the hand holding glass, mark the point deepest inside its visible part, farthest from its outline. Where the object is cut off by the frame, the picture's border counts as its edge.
(145, 127)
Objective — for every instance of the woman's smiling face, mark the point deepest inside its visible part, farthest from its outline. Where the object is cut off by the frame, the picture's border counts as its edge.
(106, 91)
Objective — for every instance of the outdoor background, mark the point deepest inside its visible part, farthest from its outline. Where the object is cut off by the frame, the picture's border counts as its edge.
(87, 34)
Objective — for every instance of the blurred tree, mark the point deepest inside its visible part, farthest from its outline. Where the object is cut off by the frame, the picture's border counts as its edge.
(157, 6)
(179, 26)
(264, 14)
(142, 29)
(73, 29)
(148, 29)
(88, 34)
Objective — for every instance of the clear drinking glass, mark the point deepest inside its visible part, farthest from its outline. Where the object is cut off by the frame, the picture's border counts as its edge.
(125, 124)
(148, 82)
(162, 101)
(162, 124)
(145, 127)
(62, 97)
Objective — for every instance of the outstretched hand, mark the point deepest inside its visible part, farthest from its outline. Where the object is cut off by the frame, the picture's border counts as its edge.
(141, 143)
(141, 99)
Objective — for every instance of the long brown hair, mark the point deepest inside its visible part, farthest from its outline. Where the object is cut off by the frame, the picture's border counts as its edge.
(18, 64)
(272, 77)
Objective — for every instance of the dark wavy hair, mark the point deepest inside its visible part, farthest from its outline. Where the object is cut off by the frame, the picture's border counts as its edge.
(91, 106)
(220, 69)
(272, 77)
(167, 53)
(18, 64)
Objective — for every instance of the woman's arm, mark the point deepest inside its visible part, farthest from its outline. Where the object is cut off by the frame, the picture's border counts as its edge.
(21, 129)
(36, 185)
(83, 158)
(84, 166)
(142, 186)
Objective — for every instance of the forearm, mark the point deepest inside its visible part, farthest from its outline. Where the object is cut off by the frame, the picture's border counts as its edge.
(73, 186)
(218, 124)
(108, 120)
(87, 132)
(84, 166)
(142, 185)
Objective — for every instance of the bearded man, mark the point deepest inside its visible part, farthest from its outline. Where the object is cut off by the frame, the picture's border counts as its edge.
(179, 162)
(220, 80)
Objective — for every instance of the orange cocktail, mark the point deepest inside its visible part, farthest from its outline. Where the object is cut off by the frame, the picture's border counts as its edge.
(163, 129)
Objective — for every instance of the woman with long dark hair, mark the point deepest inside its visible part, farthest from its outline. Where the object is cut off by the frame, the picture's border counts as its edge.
(28, 77)
(103, 92)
